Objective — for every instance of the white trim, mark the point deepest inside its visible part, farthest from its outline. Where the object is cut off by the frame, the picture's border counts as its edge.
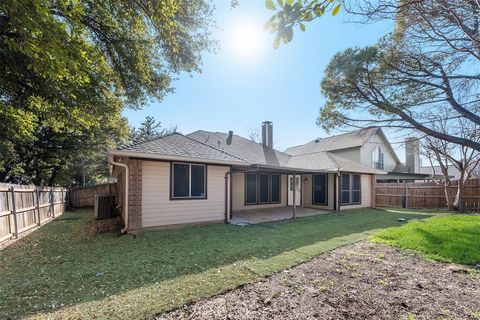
(174, 158)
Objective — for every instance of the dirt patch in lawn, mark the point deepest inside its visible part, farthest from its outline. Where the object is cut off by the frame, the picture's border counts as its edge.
(360, 281)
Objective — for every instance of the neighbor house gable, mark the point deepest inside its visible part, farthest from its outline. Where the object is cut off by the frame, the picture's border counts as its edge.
(390, 158)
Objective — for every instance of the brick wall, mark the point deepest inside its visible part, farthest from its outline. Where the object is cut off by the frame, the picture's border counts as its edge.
(135, 194)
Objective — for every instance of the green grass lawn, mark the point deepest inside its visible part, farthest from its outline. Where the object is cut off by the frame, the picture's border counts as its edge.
(60, 272)
(453, 238)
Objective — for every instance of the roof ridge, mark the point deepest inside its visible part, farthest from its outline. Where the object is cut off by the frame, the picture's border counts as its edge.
(239, 136)
(346, 133)
(159, 136)
(186, 136)
(335, 136)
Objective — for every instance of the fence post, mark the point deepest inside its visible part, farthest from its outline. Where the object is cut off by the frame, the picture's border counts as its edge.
(14, 212)
(37, 195)
(406, 196)
(52, 203)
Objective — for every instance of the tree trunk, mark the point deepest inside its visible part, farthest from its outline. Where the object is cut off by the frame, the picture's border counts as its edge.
(458, 204)
(447, 197)
(53, 176)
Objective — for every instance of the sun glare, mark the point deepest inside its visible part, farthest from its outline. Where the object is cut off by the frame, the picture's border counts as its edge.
(246, 39)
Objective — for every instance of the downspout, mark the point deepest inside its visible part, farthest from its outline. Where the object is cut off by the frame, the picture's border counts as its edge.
(125, 205)
(227, 175)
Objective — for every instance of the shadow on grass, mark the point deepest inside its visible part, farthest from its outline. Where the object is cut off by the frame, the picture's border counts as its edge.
(61, 267)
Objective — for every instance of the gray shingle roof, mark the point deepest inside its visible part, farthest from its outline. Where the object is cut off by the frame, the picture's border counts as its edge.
(338, 142)
(217, 146)
(177, 144)
(326, 161)
(245, 149)
(255, 153)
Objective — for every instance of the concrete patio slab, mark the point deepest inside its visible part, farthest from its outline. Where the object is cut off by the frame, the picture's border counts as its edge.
(271, 214)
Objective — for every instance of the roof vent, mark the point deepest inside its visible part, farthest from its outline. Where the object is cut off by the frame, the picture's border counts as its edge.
(317, 140)
(230, 137)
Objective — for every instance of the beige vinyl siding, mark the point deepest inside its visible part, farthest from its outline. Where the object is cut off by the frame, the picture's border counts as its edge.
(238, 194)
(159, 210)
(307, 192)
(366, 194)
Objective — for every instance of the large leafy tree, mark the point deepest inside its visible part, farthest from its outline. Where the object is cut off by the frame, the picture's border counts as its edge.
(429, 62)
(293, 14)
(69, 67)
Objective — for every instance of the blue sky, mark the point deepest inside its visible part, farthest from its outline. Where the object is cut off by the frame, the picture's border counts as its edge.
(237, 92)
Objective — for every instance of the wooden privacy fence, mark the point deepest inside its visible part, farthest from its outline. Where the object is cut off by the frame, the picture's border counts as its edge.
(425, 195)
(85, 196)
(25, 207)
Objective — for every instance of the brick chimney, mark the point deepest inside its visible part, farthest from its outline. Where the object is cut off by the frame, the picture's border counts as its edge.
(267, 134)
(412, 156)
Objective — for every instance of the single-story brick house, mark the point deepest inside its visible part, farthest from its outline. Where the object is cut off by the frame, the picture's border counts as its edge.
(206, 177)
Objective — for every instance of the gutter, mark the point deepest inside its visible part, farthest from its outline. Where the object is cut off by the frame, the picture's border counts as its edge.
(158, 156)
(120, 164)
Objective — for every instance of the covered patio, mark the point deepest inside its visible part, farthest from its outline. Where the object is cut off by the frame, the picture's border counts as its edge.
(255, 216)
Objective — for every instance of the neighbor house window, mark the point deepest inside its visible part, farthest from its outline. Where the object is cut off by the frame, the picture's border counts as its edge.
(378, 158)
(350, 188)
(319, 189)
(188, 181)
(262, 188)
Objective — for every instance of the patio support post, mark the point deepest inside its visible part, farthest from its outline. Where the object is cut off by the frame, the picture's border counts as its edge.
(339, 191)
(294, 185)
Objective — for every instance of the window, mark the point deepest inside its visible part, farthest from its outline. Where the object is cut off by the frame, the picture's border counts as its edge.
(378, 158)
(351, 189)
(188, 181)
(262, 188)
(320, 189)
(356, 189)
(275, 188)
(251, 188)
(345, 188)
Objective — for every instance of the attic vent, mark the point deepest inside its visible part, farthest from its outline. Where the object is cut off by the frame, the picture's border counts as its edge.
(317, 140)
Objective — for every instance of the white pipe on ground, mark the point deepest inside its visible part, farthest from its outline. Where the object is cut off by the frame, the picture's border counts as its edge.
(113, 162)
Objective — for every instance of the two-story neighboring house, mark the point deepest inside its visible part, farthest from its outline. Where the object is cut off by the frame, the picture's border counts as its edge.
(369, 147)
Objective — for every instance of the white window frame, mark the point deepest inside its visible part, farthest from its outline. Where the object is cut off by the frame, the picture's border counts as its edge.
(378, 158)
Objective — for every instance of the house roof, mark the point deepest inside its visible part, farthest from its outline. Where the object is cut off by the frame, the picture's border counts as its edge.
(218, 147)
(452, 171)
(329, 162)
(347, 140)
(177, 145)
(257, 154)
(245, 149)
(338, 142)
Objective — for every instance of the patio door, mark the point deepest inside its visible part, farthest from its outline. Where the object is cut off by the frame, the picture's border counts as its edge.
(298, 190)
